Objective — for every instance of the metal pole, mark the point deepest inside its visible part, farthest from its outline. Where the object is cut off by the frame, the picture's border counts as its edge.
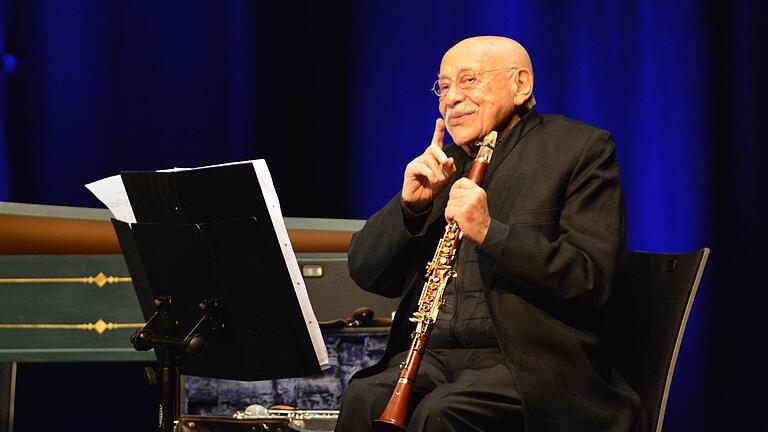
(7, 395)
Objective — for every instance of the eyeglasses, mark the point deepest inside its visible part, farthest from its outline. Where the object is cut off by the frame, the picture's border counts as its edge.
(466, 80)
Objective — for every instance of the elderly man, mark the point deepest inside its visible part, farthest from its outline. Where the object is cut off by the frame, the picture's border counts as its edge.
(516, 345)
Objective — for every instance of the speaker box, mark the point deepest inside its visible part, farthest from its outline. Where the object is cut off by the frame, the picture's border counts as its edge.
(333, 293)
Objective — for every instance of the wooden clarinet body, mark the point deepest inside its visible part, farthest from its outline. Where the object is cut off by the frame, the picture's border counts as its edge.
(439, 273)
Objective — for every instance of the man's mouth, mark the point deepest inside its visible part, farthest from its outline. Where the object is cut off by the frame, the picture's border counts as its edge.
(458, 118)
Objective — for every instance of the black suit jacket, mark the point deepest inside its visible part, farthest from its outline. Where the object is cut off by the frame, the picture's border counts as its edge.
(553, 188)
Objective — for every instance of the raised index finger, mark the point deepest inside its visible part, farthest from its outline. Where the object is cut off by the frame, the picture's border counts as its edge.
(437, 137)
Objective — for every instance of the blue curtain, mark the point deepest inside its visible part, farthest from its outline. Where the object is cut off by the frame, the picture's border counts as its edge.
(107, 86)
(6, 67)
(337, 98)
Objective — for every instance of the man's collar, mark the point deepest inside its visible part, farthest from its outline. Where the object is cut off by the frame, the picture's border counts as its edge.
(527, 121)
(504, 147)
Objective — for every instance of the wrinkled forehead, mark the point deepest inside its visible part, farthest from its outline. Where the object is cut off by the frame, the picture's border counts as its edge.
(476, 57)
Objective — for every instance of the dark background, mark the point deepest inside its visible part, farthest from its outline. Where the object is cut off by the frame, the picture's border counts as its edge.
(335, 97)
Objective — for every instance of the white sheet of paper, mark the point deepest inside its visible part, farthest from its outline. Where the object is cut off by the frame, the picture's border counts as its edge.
(111, 192)
(273, 206)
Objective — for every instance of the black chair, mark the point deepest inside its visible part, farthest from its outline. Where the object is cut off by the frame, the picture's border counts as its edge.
(646, 319)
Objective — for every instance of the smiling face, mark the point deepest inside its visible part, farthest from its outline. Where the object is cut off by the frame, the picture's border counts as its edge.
(490, 103)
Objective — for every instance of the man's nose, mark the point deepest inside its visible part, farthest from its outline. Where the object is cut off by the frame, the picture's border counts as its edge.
(454, 95)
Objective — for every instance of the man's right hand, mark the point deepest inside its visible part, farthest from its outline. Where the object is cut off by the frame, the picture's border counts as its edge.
(426, 176)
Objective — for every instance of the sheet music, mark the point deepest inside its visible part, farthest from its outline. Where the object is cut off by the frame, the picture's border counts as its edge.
(111, 191)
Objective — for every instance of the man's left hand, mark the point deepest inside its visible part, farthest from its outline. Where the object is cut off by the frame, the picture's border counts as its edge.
(468, 206)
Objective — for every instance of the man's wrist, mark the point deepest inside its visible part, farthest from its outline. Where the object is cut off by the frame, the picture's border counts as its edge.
(416, 207)
(494, 240)
(414, 221)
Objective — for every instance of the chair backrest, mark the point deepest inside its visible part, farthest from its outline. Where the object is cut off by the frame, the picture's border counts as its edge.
(646, 319)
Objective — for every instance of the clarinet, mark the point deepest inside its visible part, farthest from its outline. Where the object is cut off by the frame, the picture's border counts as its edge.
(439, 273)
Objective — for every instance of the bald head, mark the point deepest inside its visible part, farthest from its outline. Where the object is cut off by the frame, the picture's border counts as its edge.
(502, 81)
(497, 50)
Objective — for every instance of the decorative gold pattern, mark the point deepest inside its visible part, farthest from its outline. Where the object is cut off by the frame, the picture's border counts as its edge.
(99, 326)
(100, 280)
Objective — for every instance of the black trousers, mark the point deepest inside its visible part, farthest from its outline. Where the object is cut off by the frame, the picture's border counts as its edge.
(455, 390)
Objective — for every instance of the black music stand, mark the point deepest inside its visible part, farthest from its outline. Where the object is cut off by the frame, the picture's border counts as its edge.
(211, 279)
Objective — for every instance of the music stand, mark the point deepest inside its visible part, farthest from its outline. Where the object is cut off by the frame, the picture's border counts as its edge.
(212, 281)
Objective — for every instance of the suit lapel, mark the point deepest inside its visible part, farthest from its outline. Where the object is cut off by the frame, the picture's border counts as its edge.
(499, 201)
(529, 122)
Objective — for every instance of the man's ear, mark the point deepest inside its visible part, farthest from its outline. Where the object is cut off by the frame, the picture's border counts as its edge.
(524, 86)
